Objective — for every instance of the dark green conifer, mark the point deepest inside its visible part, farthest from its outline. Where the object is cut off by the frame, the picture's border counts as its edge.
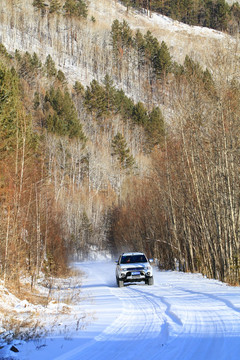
(109, 93)
(151, 47)
(78, 87)
(140, 45)
(82, 9)
(13, 119)
(61, 77)
(95, 99)
(36, 62)
(208, 82)
(122, 152)
(62, 119)
(39, 4)
(55, 6)
(75, 8)
(36, 100)
(126, 35)
(50, 66)
(116, 35)
(123, 105)
(162, 61)
(222, 12)
(70, 7)
(191, 68)
(139, 114)
(155, 127)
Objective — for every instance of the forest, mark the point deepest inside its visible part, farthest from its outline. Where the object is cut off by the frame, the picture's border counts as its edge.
(215, 14)
(86, 169)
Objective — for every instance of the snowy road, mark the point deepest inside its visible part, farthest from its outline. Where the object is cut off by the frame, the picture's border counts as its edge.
(182, 316)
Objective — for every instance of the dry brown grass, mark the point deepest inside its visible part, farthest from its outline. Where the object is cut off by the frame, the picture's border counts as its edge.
(20, 328)
(25, 292)
(30, 322)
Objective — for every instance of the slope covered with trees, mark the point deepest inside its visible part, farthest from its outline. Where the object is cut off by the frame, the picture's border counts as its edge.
(89, 167)
(56, 192)
(215, 14)
(187, 209)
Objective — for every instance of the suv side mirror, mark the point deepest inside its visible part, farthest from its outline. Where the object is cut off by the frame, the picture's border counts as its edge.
(151, 260)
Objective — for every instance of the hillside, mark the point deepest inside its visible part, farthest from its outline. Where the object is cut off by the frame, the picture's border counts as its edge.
(82, 49)
(118, 131)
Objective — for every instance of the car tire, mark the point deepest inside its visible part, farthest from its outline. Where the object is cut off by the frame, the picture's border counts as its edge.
(120, 283)
(149, 281)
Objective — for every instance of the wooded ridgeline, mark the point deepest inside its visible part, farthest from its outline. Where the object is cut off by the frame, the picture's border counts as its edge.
(215, 14)
(88, 169)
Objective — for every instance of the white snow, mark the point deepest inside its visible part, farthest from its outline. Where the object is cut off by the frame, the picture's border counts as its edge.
(182, 316)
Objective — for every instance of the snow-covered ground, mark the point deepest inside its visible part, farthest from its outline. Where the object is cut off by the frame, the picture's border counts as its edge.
(182, 316)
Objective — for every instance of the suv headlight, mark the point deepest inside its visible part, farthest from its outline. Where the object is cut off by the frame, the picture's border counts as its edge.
(123, 269)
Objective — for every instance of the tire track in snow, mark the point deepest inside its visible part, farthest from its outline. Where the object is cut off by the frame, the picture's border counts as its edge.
(206, 326)
(187, 330)
(138, 323)
(171, 320)
(164, 321)
(228, 303)
(218, 301)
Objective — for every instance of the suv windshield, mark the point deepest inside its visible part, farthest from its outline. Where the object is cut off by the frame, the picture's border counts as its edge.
(133, 259)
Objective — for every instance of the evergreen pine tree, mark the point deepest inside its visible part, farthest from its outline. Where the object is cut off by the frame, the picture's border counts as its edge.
(208, 82)
(3, 51)
(116, 35)
(95, 99)
(140, 45)
(162, 61)
(50, 66)
(151, 46)
(70, 7)
(75, 8)
(61, 77)
(36, 62)
(187, 11)
(122, 152)
(78, 87)
(123, 105)
(109, 93)
(126, 34)
(139, 114)
(36, 100)
(55, 6)
(222, 11)
(13, 120)
(62, 118)
(82, 9)
(192, 68)
(155, 127)
(39, 4)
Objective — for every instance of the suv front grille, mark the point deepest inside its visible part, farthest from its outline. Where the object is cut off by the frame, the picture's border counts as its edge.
(130, 274)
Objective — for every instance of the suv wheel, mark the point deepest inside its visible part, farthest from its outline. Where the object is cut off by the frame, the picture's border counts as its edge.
(149, 281)
(120, 283)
